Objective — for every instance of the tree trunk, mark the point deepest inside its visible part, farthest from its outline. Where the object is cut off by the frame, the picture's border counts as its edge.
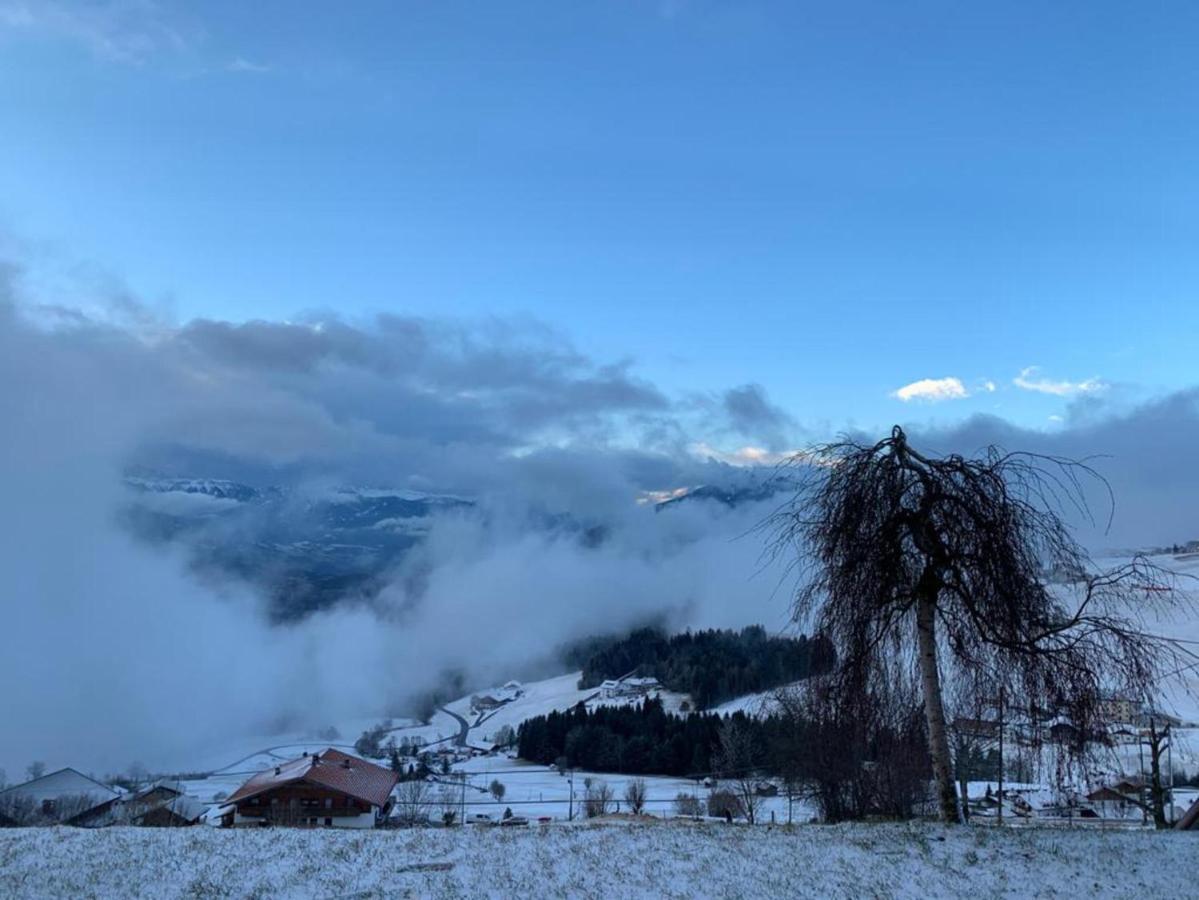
(934, 711)
(1157, 793)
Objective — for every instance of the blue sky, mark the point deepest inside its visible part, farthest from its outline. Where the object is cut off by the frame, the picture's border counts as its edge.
(832, 200)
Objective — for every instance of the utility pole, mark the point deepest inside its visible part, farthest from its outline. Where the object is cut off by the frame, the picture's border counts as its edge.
(1141, 754)
(462, 802)
(999, 796)
(571, 778)
(1170, 766)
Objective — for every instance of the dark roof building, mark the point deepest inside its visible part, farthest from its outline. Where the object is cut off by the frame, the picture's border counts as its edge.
(178, 811)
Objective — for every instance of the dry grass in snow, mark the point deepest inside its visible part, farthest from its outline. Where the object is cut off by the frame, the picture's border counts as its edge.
(659, 860)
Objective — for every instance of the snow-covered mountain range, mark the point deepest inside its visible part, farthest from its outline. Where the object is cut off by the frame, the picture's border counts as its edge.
(307, 549)
(311, 547)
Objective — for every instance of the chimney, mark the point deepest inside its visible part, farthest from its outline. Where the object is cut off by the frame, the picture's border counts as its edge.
(277, 770)
(305, 752)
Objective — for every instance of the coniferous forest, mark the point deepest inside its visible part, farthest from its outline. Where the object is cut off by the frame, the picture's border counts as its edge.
(641, 739)
(712, 666)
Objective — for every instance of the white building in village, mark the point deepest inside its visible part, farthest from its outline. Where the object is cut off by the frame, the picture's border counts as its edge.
(57, 797)
(628, 687)
(494, 698)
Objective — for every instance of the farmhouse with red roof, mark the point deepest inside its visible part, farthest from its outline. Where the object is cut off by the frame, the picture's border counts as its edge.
(327, 789)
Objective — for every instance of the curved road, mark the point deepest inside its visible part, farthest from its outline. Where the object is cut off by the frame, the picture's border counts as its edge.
(463, 727)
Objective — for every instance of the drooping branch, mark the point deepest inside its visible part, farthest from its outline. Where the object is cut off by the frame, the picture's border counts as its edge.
(875, 531)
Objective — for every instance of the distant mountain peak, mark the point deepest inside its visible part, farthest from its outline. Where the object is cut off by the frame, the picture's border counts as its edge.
(746, 489)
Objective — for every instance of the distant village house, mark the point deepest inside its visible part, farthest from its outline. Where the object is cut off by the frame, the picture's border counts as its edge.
(486, 701)
(62, 797)
(628, 687)
(1117, 709)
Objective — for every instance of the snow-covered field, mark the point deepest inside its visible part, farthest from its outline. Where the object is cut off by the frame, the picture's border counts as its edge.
(533, 791)
(662, 860)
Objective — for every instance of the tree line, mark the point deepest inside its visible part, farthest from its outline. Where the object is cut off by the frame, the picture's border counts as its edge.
(641, 739)
(851, 756)
(712, 666)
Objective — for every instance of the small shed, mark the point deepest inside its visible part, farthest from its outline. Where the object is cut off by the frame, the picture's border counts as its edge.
(178, 812)
(1110, 803)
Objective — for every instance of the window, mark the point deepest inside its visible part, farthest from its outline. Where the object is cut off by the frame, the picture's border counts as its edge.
(328, 822)
(328, 803)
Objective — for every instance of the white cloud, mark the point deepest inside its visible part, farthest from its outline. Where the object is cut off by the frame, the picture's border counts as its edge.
(1030, 379)
(932, 390)
(646, 498)
(744, 456)
(241, 64)
(126, 31)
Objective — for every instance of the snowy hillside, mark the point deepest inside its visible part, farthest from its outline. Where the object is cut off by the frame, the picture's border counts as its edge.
(539, 698)
(761, 704)
(230, 762)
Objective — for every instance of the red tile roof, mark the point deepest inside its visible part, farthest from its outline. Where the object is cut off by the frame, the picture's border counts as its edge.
(331, 769)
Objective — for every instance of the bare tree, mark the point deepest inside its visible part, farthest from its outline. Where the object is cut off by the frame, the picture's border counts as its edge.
(634, 794)
(597, 801)
(686, 804)
(35, 770)
(723, 803)
(972, 728)
(967, 565)
(854, 748)
(28, 811)
(737, 761)
(497, 790)
(447, 799)
(413, 800)
(17, 809)
(505, 736)
(369, 743)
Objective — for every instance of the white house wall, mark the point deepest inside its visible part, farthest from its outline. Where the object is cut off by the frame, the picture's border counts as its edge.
(363, 820)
